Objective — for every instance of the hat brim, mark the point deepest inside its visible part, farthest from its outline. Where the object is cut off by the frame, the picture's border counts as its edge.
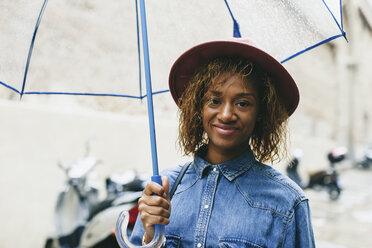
(187, 64)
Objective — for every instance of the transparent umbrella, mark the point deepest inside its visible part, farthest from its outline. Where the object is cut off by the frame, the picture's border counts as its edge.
(91, 47)
(81, 47)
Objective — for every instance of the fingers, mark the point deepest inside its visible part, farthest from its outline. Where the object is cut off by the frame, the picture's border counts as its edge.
(154, 188)
(154, 215)
(165, 182)
(154, 209)
(154, 201)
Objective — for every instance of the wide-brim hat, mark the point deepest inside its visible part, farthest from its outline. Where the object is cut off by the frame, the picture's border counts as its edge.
(191, 60)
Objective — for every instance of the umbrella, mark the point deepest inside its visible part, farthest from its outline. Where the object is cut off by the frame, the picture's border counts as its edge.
(78, 37)
(83, 61)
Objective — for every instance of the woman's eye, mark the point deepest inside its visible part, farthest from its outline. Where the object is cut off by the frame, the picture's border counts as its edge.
(214, 101)
(243, 104)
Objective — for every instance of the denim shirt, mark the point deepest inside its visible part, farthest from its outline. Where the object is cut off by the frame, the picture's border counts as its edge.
(239, 203)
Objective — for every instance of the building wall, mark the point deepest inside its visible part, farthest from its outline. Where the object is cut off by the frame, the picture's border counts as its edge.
(336, 89)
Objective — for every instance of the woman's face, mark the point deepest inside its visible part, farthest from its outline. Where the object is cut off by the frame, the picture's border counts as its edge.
(229, 116)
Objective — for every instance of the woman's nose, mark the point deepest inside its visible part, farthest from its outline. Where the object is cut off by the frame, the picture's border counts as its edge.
(226, 112)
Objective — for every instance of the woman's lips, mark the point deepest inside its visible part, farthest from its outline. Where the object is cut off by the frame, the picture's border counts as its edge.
(225, 130)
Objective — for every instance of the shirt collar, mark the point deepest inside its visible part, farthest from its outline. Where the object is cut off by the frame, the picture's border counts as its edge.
(230, 169)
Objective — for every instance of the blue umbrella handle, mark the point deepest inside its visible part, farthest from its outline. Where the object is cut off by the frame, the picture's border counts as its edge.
(122, 238)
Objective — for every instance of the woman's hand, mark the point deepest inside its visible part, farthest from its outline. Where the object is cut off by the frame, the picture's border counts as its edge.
(154, 209)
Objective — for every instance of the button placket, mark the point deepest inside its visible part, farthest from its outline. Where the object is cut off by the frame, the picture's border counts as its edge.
(206, 208)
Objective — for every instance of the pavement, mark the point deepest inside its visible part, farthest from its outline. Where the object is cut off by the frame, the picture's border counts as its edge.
(346, 222)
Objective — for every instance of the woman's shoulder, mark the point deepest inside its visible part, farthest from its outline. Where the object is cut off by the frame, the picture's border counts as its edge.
(173, 172)
(279, 180)
(268, 188)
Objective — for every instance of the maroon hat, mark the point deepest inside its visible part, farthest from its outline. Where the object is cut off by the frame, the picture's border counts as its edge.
(186, 65)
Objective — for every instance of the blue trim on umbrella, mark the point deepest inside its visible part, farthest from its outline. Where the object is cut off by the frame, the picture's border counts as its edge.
(150, 107)
(139, 51)
(159, 92)
(32, 45)
(334, 18)
(77, 93)
(10, 87)
(341, 14)
(236, 32)
(81, 93)
(311, 47)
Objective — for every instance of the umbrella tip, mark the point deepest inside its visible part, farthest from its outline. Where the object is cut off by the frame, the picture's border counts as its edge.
(345, 37)
(237, 30)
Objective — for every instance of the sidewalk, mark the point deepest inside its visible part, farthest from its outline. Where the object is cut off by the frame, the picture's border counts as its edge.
(347, 222)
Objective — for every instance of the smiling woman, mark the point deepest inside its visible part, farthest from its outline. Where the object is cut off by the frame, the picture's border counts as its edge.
(270, 132)
(234, 101)
(229, 116)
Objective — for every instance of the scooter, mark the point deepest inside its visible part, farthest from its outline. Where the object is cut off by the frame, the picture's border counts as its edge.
(327, 179)
(123, 191)
(81, 219)
(366, 161)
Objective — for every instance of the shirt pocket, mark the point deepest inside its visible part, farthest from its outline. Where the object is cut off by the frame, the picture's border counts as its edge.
(172, 241)
(237, 243)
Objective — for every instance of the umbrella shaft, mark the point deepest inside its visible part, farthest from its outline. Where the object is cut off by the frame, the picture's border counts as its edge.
(150, 105)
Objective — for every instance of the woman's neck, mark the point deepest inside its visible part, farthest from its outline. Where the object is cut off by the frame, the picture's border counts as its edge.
(217, 157)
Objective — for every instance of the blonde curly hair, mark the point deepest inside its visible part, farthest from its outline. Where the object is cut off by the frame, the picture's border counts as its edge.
(269, 137)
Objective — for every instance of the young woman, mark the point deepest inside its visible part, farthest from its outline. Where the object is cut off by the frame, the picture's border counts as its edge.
(234, 101)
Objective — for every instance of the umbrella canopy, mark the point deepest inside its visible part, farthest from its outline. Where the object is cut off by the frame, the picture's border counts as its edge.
(83, 47)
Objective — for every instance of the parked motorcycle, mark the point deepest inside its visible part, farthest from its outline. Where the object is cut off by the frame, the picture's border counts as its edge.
(366, 161)
(81, 219)
(327, 179)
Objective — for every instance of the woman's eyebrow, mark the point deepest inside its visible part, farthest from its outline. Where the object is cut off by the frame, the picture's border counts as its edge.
(216, 93)
(245, 94)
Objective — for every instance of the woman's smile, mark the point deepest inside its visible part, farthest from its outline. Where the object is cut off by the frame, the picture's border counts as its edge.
(224, 129)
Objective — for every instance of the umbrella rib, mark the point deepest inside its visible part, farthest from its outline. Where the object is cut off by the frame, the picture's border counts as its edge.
(311, 47)
(83, 94)
(32, 45)
(334, 18)
(342, 22)
(10, 87)
(236, 31)
(139, 51)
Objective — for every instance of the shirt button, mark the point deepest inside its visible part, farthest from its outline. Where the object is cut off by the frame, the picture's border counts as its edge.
(206, 206)
(214, 169)
(198, 245)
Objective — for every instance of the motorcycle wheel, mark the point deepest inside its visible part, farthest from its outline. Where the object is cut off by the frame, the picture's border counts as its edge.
(365, 165)
(109, 242)
(334, 192)
(51, 243)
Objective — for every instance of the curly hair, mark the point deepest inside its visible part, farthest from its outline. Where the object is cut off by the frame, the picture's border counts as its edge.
(269, 136)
